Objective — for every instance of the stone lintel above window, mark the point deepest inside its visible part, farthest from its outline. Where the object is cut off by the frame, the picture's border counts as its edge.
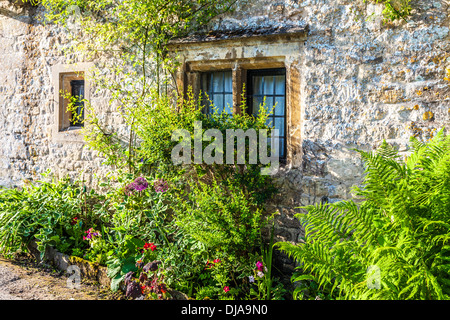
(240, 54)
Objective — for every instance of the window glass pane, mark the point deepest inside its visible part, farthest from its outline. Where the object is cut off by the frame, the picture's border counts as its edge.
(229, 103)
(218, 86)
(268, 85)
(217, 82)
(257, 85)
(228, 80)
(279, 124)
(270, 103)
(281, 147)
(280, 150)
(218, 102)
(77, 88)
(257, 102)
(279, 108)
(279, 84)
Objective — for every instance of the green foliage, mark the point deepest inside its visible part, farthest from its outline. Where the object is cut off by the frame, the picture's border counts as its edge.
(123, 259)
(401, 228)
(132, 36)
(42, 211)
(223, 220)
(394, 9)
(210, 211)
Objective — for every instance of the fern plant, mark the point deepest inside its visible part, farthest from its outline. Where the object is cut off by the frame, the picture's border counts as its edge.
(395, 244)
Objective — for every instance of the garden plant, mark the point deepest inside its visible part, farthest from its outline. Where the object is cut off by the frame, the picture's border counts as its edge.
(197, 229)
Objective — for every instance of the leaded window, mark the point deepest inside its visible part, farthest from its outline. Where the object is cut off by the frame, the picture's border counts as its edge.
(217, 90)
(271, 85)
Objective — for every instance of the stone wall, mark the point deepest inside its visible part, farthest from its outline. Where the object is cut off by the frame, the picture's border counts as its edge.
(360, 81)
(29, 144)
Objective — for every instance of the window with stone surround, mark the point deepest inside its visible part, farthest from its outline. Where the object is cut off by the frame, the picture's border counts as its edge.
(265, 87)
(70, 86)
(265, 62)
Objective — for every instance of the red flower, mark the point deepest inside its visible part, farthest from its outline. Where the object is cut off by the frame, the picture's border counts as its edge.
(226, 288)
(150, 246)
(74, 221)
(216, 260)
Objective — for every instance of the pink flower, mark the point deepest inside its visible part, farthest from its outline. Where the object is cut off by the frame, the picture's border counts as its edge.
(226, 288)
(259, 266)
(216, 261)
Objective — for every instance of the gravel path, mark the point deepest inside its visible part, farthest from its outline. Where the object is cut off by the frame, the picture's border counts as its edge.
(24, 280)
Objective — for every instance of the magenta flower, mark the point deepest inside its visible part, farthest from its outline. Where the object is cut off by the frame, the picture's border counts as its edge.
(160, 185)
(140, 184)
(90, 234)
(259, 266)
(226, 288)
(130, 189)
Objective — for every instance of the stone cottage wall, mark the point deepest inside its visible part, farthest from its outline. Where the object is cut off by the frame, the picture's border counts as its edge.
(361, 81)
(29, 144)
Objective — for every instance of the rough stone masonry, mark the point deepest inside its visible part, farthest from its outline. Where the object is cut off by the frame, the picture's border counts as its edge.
(359, 81)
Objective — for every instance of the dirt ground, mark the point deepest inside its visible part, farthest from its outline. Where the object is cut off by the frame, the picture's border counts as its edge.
(23, 279)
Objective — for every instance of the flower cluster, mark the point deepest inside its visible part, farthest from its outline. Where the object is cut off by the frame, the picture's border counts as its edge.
(155, 286)
(146, 284)
(260, 269)
(160, 185)
(150, 246)
(147, 246)
(139, 184)
(91, 233)
(210, 265)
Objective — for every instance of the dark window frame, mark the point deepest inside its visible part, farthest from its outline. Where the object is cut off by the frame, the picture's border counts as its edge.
(75, 84)
(250, 97)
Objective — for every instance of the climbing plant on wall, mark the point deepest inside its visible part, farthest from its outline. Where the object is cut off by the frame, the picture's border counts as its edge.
(394, 9)
(128, 40)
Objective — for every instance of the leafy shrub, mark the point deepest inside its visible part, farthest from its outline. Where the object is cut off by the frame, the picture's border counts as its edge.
(44, 211)
(395, 244)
